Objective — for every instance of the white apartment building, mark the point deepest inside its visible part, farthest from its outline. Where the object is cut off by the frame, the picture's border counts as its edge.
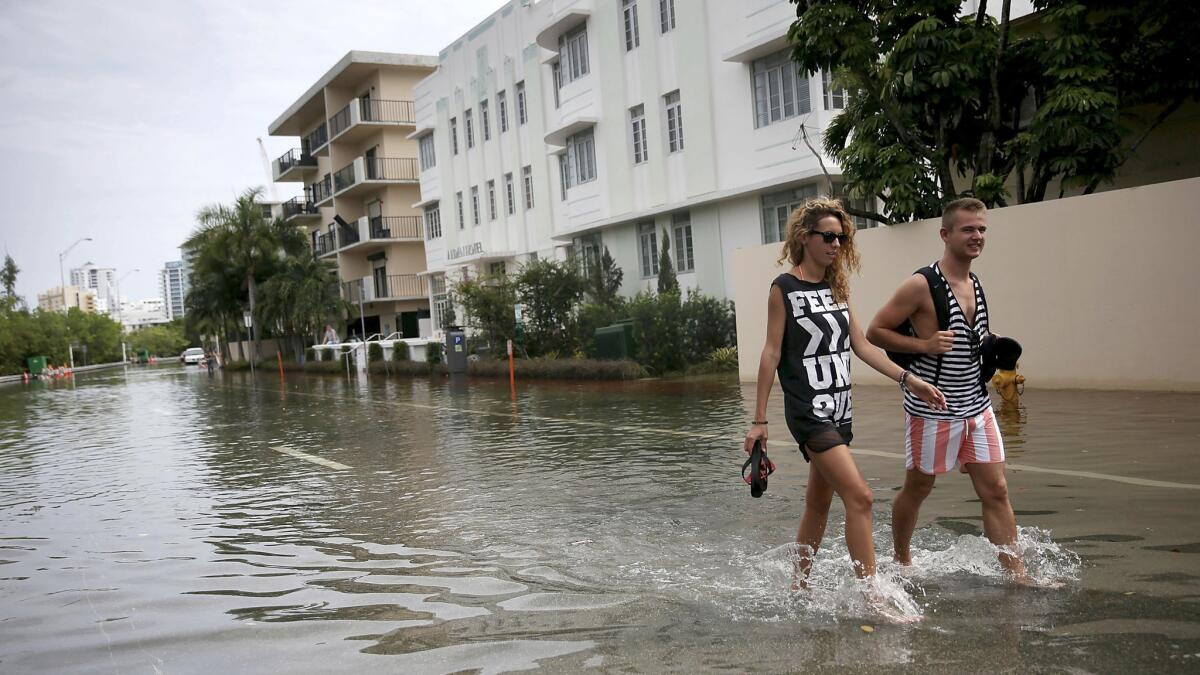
(580, 125)
(358, 169)
(101, 280)
(173, 284)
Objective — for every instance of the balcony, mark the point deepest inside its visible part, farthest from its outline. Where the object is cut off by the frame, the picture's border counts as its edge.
(380, 288)
(300, 209)
(367, 173)
(372, 234)
(565, 15)
(294, 166)
(316, 143)
(324, 245)
(360, 118)
(322, 191)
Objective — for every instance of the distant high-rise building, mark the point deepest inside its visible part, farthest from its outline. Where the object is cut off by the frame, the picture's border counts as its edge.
(173, 286)
(54, 299)
(101, 280)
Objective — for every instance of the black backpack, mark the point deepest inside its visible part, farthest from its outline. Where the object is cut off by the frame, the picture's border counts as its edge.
(941, 306)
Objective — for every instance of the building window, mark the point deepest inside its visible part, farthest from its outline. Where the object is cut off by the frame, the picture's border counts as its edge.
(522, 113)
(777, 206)
(637, 122)
(474, 204)
(497, 269)
(564, 174)
(467, 123)
(666, 15)
(433, 222)
(502, 110)
(681, 227)
(674, 121)
(483, 121)
(454, 135)
(629, 10)
(835, 99)
(458, 200)
(527, 184)
(510, 200)
(648, 249)
(428, 158)
(780, 89)
(491, 187)
(860, 223)
(589, 257)
(573, 54)
(581, 157)
(556, 78)
(441, 300)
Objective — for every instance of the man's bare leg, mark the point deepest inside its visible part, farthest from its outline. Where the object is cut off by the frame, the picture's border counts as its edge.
(817, 499)
(905, 509)
(999, 523)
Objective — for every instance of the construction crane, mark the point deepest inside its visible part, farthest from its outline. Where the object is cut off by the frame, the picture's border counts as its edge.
(262, 152)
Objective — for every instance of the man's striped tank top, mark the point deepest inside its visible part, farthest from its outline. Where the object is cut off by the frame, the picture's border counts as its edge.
(958, 376)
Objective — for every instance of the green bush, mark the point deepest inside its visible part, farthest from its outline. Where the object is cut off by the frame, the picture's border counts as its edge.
(592, 316)
(487, 304)
(374, 352)
(708, 326)
(433, 352)
(399, 352)
(724, 358)
(310, 354)
(658, 331)
(550, 292)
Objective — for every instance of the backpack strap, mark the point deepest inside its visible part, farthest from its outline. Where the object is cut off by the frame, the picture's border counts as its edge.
(941, 307)
(982, 303)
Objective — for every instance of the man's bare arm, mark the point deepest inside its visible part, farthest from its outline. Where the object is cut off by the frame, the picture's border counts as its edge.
(903, 305)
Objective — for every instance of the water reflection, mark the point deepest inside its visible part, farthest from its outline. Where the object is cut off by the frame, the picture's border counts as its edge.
(600, 525)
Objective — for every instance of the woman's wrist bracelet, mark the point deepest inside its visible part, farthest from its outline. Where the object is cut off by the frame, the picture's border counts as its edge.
(903, 380)
(763, 422)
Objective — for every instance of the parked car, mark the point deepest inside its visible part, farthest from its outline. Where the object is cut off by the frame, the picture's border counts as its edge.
(192, 355)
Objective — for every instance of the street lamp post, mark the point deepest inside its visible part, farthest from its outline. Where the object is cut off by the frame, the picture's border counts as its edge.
(62, 281)
(121, 310)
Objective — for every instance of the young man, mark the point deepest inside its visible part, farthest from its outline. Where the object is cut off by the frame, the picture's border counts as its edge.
(965, 434)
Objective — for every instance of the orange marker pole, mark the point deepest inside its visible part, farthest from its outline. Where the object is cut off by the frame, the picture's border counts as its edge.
(512, 375)
(279, 358)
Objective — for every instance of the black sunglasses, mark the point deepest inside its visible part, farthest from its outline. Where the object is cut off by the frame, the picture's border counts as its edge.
(828, 237)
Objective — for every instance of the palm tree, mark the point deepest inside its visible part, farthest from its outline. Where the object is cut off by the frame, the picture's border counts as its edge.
(247, 243)
(300, 297)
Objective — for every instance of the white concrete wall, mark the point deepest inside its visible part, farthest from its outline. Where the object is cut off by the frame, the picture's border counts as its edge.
(1099, 289)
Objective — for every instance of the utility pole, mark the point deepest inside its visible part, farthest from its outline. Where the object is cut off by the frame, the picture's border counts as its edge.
(62, 282)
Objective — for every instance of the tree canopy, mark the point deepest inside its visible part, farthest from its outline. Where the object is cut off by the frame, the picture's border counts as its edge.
(946, 105)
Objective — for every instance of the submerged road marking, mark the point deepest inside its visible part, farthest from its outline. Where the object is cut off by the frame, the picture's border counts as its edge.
(309, 458)
(1128, 480)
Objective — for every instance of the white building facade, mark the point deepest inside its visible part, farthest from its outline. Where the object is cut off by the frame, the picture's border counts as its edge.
(583, 125)
(101, 281)
(173, 287)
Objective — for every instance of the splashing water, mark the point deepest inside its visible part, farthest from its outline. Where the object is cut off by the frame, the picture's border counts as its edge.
(941, 554)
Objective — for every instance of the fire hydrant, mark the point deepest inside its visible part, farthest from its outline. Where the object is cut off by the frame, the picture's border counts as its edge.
(1010, 385)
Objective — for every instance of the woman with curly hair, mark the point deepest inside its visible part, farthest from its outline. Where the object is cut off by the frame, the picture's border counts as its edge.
(810, 332)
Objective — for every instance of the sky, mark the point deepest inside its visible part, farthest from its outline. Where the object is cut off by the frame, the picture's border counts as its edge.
(121, 119)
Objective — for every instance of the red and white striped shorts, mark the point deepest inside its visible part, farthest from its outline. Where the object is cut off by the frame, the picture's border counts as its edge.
(936, 446)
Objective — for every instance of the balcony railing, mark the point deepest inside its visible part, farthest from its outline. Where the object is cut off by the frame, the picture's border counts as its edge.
(376, 110)
(347, 235)
(395, 227)
(343, 178)
(315, 140)
(324, 245)
(391, 168)
(294, 158)
(401, 286)
(321, 190)
(340, 121)
(299, 206)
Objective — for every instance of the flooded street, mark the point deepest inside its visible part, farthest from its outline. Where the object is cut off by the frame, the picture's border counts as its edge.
(159, 520)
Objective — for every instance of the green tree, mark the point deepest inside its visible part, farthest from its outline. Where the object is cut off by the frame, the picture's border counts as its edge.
(247, 243)
(549, 292)
(8, 277)
(487, 303)
(166, 340)
(667, 281)
(300, 298)
(604, 280)
(658, 331)
(945, 105)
